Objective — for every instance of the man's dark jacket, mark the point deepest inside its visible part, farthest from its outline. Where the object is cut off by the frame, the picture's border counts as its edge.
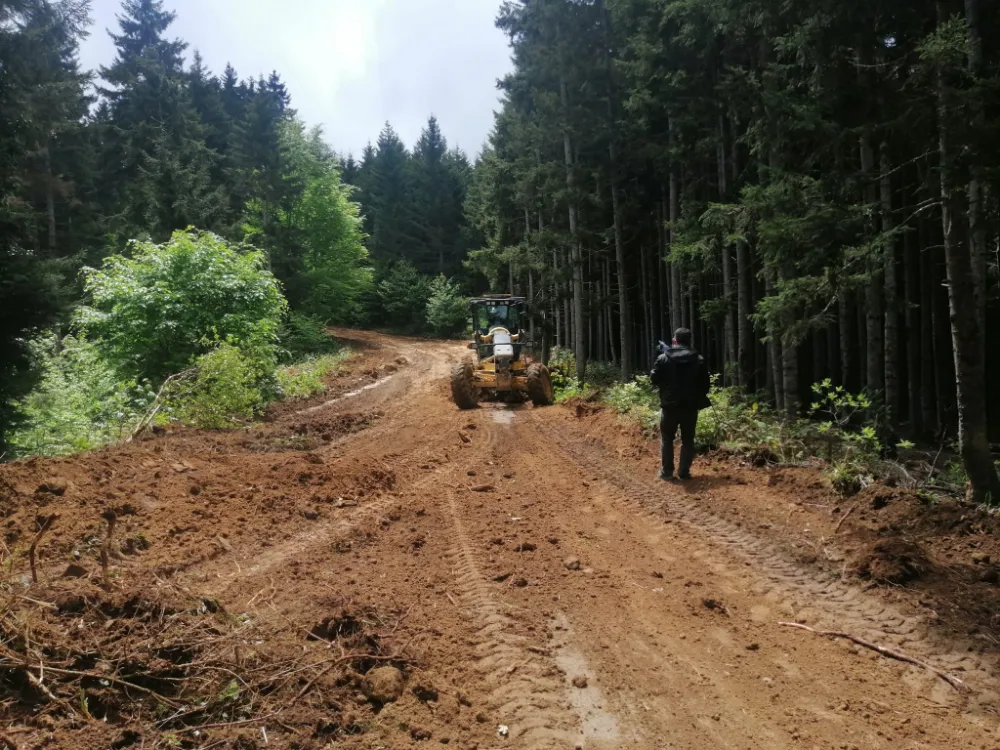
(682, 377)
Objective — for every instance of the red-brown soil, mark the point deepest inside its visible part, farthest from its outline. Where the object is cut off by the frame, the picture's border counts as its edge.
(376, 569)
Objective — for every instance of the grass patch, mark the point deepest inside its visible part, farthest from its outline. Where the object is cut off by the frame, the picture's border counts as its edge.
(306, 378)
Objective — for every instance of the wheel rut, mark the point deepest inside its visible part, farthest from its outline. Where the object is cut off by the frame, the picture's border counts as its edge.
(824, 601)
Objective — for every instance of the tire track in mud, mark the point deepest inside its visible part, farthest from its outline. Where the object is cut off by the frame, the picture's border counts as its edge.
(528, 692)
(828, 602)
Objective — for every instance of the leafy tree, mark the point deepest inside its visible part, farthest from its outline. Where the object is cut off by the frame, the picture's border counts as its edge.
(155, 311)
(403, 295)
(447, 308)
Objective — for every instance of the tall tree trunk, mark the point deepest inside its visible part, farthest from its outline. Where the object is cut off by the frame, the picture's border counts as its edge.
(624, 308)
(557, 303)
(611, 332)
(661, 270)
(744, 306)
(789, 370)
(576, 261)
(977, 203)
(891, 331)
(774, 349)
(874, 317)
(846, 325)
(928, 389)
(970, 366)
(676, 303)
(911, 282)
(644, 294)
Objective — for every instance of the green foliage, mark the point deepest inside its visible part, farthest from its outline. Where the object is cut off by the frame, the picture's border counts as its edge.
(637, 401)
(562, 370)
(301, 335)
(80, 402)
(447, 309)
(306, 378)
(336, 272)
(225, 389)
(402, 297)
(167, 304)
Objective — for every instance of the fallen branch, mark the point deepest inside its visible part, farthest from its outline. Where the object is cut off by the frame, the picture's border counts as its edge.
(116, 680)
(44, 524)
(930, 473)
(950, 679)
(112, 518)
(844, 518)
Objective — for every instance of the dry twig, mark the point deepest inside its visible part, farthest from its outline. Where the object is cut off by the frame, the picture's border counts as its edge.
(844, 518)
(950, 679)
(44, 524)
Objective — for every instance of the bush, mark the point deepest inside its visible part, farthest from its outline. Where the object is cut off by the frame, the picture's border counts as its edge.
(403, 296)
(302, 335)
(304, 379)
(80, 402)
(158, 310)
(447, 309)
(637, 400)
(223, 389)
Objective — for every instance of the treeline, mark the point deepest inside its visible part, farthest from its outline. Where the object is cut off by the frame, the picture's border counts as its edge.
(91, 161)
(812, 187)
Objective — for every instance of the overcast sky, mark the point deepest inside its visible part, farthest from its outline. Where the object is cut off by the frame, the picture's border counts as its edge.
(350, 65)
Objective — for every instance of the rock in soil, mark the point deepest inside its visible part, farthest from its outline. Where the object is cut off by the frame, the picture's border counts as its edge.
(75, 571)
(383, 684)
(572, 563)
(580, 681)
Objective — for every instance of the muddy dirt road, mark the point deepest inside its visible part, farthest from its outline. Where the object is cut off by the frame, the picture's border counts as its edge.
(377, 569)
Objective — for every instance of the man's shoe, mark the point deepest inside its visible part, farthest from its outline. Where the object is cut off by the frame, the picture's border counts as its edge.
(666, 477)
(684, 477)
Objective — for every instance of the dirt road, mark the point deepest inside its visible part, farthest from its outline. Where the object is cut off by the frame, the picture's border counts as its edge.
(532, 582)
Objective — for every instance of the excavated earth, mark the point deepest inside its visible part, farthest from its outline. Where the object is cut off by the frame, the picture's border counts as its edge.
(377, 569)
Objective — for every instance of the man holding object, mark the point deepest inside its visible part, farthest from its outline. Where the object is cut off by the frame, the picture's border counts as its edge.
(681, 375)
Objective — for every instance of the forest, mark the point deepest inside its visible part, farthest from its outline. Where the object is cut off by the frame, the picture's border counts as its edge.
(102, 169)
(812, 187)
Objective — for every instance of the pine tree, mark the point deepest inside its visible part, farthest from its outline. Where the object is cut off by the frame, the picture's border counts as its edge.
(155, 133)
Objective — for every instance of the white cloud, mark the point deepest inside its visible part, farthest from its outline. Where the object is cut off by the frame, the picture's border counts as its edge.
(350, 65)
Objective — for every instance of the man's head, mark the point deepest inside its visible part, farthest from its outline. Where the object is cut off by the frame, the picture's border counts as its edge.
(682, 337)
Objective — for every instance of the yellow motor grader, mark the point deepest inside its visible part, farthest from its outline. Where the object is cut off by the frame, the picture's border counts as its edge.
(503, 368)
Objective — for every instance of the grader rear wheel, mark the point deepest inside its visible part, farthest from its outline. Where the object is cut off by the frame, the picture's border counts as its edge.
(540, 385)
(463, 389)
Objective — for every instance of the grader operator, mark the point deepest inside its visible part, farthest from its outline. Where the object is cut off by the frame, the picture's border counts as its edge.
(503, 368)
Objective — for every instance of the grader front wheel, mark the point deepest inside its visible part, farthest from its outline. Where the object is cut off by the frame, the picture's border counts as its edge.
(540, 385)
(463, 389)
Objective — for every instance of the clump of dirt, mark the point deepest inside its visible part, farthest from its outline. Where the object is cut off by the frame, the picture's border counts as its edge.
(894, 560)
(160, 658)
(585, 407)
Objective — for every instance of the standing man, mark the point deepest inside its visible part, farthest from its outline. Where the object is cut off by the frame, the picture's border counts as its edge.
(682, 377)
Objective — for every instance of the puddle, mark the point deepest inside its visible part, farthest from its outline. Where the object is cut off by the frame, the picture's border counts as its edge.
(350, 394)
(596, 724)
(502, 416)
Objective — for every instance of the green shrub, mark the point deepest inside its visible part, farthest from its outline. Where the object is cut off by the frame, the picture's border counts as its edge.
(306, 378)
(80, 402)
(402, 296)
(156, 311)
(302, 336)
(223, 389)
(637, 401)
(447, 309)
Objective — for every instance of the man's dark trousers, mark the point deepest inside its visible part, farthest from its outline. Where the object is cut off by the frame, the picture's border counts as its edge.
(670, 420)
